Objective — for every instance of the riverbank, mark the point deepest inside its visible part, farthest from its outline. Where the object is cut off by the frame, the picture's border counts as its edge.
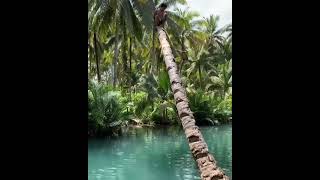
(121, 130)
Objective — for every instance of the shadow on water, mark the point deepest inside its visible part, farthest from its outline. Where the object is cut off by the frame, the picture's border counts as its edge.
(155, 153)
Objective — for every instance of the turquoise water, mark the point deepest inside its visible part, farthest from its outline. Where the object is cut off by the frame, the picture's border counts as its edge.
(155, 154)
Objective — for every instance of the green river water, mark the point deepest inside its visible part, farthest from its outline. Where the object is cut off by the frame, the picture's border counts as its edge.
(160, 153)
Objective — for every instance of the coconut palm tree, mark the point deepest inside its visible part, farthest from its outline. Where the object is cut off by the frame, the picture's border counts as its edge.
(119, 14)
(222, 81)
(186, 32)
(205, 161)
(215, 37)
(198, 60)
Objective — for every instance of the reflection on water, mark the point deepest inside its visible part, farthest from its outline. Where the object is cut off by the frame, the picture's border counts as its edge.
(155, 154)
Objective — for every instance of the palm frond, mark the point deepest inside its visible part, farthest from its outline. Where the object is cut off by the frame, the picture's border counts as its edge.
(177, 17)
(164, 82)
(110, 42)
(131, 20)
(174, 2)
(191, 69)
(145, 10)
(173, 27)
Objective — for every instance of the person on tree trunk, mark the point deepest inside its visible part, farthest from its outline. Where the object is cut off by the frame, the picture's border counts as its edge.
(160, 15)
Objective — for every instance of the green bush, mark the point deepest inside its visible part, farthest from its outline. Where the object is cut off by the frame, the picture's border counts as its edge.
(201, 107)
(105, 112)
(223, 110)
(208, 107)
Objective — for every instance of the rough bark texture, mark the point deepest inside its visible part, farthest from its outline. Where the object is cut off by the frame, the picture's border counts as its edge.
(199, 149)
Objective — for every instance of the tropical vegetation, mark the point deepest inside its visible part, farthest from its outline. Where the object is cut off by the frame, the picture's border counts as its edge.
(128, 80)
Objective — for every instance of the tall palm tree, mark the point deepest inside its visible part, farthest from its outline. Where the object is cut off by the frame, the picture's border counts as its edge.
(221, 82)
(228, 42)
(215, 37)
(106, 13)
(95, 52)
(97, 56)
(205, 161)
(198, 60)
(186, 31)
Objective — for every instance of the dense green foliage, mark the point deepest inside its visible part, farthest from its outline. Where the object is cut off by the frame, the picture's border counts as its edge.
(128, 78)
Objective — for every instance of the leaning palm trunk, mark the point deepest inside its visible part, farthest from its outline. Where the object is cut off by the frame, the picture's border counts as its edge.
(199, 149)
